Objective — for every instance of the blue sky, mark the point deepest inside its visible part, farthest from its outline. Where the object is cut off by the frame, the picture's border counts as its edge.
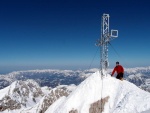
(62, 33)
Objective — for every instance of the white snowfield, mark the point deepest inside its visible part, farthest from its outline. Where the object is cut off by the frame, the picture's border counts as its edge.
(124, 97)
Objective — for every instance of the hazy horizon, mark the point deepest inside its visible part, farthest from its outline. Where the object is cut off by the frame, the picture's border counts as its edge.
(8, 69)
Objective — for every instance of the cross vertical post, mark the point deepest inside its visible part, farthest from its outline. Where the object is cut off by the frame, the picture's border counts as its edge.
(106, 37)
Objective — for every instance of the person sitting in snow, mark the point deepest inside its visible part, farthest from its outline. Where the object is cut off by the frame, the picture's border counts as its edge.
(120, 71)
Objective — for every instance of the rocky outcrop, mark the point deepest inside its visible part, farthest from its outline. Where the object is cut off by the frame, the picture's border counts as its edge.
(51, 98)
(98, 106)
(19, 93)
(47, 100)
(8, 103)
(73, 111)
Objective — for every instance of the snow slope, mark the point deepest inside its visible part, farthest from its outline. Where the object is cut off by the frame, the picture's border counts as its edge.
(123, 97)
(20, 94)
(50, 97)
(28, 97)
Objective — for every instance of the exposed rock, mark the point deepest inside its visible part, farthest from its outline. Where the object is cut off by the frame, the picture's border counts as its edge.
(48, 100)
(51, 98)
(19, 93)
(73, 111)
(98, 106)
(8, 103)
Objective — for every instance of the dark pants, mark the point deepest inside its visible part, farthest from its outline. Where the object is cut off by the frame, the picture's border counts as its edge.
(119, 76)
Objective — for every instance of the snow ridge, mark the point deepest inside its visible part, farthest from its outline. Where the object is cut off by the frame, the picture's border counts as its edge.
(124, 97)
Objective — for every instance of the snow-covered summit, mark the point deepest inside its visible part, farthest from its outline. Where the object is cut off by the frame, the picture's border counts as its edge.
(107, 95)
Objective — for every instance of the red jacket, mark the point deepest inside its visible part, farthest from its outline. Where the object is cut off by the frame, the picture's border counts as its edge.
(118, 69)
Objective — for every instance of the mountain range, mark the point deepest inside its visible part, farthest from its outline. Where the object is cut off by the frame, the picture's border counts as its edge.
(28, 97)
(95, 94)
(140, 76)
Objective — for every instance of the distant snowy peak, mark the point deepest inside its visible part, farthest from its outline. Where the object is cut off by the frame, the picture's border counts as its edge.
(28, 97)
(138, 70)
(54, 71)
(19, 75)
(136, 79)
(116, 97)
(12, 75)
(51, 96)
(50, 78)
(54, 77)
(20, 94)
(139, 76)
